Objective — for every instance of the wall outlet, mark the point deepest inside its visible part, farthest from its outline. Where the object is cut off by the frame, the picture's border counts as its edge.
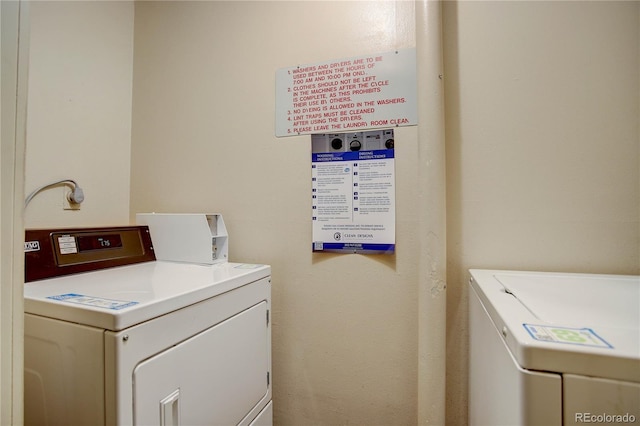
(66, 204)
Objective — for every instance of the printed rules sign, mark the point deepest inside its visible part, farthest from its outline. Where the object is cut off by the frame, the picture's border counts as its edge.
(344, 95)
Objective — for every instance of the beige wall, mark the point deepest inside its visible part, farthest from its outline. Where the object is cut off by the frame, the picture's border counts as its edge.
(542, 164)
(345, 330)
(79, 110)
(542, 147)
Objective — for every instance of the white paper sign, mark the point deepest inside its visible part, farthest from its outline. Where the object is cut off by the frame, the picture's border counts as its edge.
(349, 94)
(353, 192)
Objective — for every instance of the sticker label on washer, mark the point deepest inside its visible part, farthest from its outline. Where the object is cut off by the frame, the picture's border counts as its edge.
(574, 336)
(97, 302)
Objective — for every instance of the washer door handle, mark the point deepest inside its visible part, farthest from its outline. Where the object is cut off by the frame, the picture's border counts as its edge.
(170, 409)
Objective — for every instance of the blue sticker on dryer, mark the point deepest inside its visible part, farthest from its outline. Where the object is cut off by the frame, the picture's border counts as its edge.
(574, 336)
(97, 302)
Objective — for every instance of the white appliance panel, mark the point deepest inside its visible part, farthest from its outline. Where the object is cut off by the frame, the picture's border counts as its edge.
(125, 349)
(80, 358)
(63, 372)
(589, 396)
(169, 386)
(265, 418)
(499, 389)
(155, 287)
(526, 322)
(511, 309)
(577, 300)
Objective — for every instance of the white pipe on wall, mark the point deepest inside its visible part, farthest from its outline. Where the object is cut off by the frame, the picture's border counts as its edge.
(432, 207)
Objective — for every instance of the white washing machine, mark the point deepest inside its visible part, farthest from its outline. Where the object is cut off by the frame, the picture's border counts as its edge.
(553, 349)
(115, 337)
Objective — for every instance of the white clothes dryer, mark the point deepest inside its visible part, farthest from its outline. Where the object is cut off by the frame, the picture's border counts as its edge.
(553, 348)
(114, 337)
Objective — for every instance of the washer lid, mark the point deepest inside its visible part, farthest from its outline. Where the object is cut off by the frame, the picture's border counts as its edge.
(120, 297)
(567, 323)
(611, 301)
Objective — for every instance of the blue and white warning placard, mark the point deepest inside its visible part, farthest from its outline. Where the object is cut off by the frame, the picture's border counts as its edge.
(353, 192)
(96, 302)
(574, 336)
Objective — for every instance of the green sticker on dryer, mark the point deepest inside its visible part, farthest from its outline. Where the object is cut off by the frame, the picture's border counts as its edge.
(574, 336)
